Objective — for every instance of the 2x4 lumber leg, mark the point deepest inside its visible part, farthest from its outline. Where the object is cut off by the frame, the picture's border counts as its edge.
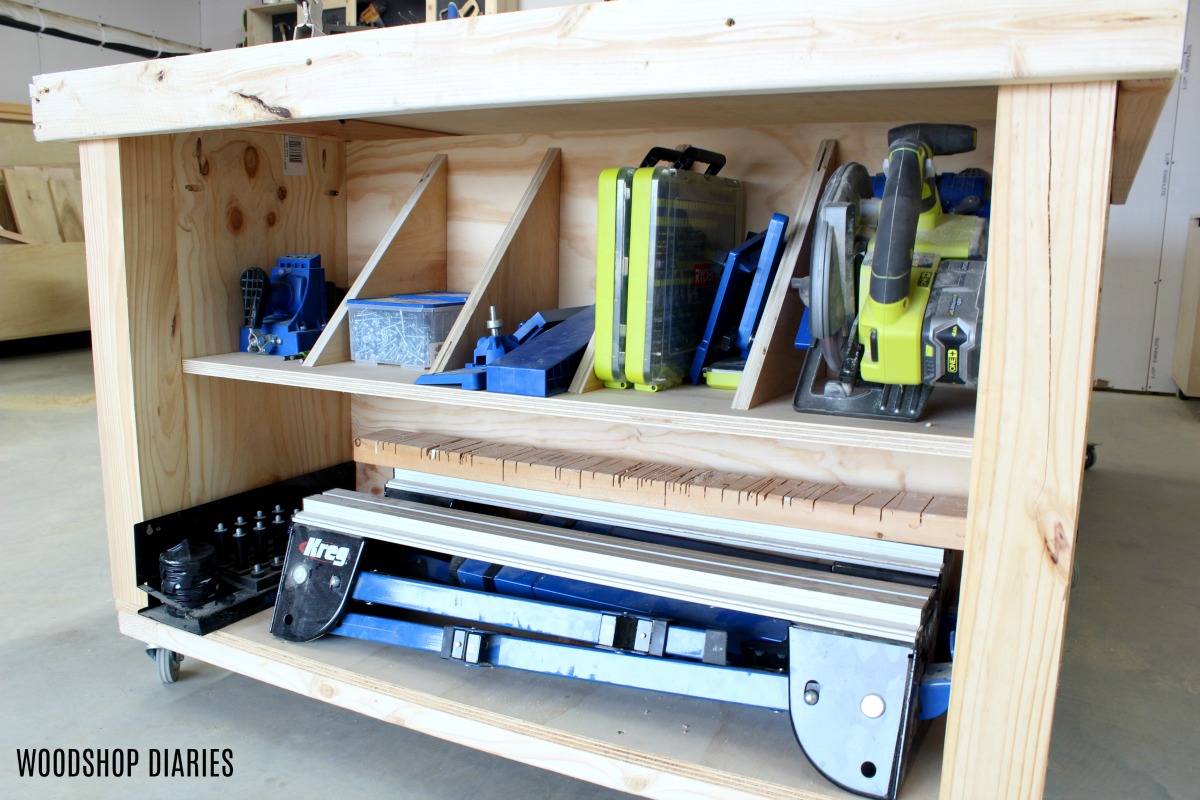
(133, 288)
(1050, 201)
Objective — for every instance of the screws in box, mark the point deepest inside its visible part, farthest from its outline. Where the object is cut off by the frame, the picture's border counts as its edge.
(408, 332)
(392, 338)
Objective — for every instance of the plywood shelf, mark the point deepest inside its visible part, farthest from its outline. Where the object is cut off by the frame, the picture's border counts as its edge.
(653, 744)
(686, 408)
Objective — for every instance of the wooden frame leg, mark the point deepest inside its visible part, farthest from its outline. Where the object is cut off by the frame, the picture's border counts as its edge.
(133, 289)
(1050, 195)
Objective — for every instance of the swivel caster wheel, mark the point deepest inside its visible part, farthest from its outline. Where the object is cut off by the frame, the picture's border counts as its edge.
(1089, 456)
(167, 662)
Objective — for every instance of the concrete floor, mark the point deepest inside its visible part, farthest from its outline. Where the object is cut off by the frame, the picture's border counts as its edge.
(1128, 703)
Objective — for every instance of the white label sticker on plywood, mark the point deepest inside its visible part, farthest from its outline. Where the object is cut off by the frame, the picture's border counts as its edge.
(295, 160)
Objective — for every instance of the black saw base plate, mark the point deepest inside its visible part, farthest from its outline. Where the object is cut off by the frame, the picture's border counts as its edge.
(866, 401)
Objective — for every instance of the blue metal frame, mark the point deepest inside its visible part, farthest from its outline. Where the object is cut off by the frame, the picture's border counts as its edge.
(563, 622)
(729, 684)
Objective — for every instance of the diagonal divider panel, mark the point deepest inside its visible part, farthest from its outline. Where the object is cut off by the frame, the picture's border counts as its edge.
(521, 275)
(411, 257)
(774, 363)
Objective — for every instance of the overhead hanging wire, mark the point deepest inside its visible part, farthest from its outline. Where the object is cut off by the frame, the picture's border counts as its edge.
(23, 16)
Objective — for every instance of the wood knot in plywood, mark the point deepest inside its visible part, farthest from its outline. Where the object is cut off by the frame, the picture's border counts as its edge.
(235, 219)
(277, 111)
(250, 161)
(282, 193)
(202, 163)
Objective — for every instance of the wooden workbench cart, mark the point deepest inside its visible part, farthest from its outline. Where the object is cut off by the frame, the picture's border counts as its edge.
(186, 184)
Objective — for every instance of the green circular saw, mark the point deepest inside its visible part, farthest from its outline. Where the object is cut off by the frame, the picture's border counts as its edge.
(895, 287)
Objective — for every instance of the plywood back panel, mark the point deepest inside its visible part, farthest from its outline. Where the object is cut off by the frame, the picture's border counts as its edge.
(520, 277)
(488, 175)
(237, 209)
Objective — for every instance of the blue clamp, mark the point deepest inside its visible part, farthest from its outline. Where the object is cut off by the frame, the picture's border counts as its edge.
(494, 345)
(283, 314)
(471, 378)
(804, 338)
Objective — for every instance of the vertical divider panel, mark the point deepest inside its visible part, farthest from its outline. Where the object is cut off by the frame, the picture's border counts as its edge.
(411, 257)
(774, 364)
(521, 276)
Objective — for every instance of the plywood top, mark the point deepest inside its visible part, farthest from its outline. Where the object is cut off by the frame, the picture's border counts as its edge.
(571, 64)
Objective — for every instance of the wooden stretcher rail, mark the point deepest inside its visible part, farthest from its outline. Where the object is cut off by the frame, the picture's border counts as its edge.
(938, 521)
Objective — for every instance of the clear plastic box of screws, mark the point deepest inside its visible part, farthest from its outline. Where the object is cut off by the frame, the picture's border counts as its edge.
(403, 329)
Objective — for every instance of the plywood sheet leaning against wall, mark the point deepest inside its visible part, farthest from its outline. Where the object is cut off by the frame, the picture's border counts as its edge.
(44, 280)
(45, 290)
(67, 196)
(32, 207)
(17, 145)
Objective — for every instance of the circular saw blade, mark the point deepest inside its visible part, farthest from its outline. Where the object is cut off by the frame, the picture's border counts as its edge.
(832, 295)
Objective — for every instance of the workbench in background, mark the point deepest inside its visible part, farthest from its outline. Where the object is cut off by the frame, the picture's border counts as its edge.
(43, 280)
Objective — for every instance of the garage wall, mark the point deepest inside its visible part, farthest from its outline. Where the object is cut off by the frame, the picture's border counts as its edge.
(1183, 201)
(1143, 260)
